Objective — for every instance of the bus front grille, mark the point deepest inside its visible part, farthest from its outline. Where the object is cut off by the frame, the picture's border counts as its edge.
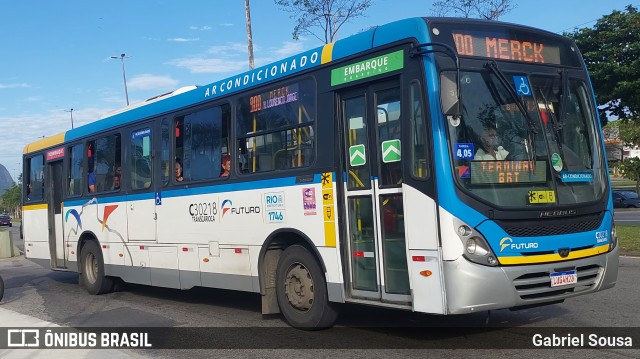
(551, 227)
(538, 285)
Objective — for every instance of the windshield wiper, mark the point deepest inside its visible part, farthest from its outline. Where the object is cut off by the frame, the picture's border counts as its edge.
(557, 126)
(530, 141)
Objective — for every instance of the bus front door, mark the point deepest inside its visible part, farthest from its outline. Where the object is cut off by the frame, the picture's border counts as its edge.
(55, 181)
(376, 249)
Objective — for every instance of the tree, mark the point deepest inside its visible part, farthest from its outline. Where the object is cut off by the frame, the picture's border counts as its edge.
(11, 198)
(611, 51)
(483, 9)
(629, 131)
(631, 170)
(328, 16)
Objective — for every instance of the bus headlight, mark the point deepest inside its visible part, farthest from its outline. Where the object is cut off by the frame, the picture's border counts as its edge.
(614, 238)
(476, 247)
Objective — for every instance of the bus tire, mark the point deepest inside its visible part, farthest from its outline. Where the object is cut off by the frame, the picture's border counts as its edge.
(301, 290)
(1, 288)
(92, 266)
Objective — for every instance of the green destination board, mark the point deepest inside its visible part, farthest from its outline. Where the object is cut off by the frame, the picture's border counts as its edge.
(368, 68)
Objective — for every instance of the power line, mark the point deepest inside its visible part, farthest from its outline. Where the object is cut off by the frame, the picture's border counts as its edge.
(576, 26)
(587, 22)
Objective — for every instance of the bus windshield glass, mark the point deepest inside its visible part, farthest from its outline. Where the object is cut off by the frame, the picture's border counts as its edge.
(526, 140)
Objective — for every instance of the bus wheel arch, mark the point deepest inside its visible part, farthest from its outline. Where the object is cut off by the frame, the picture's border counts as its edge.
(270, 253)
(293, 282)
(91, 266)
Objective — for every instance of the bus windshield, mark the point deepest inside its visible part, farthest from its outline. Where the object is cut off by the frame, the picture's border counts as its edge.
(526, 140)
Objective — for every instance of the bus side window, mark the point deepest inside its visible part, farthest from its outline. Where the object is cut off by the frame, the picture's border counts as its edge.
(275, 128)
(419, 150)
(165, 166)
(76, 159)
(140, 170)
(200, 140)
(35, 181)
(106, 159)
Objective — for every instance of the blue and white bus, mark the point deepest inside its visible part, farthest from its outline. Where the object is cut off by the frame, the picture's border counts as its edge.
(441, 166)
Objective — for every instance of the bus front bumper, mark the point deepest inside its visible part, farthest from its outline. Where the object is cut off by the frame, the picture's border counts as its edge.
(470, 287)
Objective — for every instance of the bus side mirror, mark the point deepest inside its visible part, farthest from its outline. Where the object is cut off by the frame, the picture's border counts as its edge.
(449, 94)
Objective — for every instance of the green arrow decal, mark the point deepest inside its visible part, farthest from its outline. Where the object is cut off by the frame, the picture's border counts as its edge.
(391, 151)
(357, 155)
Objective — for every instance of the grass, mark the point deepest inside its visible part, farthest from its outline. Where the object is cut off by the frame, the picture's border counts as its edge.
(629, 240)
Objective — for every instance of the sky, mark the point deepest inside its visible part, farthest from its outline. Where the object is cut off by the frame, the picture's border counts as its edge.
(56, 55)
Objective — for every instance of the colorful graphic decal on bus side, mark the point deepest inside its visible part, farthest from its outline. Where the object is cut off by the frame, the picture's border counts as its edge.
(75, 214)
(309, 201)
(107, 210)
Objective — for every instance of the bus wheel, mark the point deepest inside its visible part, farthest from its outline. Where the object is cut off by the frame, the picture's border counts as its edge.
(92, 266)
(1, 288)
(302, 290)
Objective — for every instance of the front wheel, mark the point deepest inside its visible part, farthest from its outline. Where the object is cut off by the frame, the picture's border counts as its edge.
(92, 267)
(1, 288)
(302, 290)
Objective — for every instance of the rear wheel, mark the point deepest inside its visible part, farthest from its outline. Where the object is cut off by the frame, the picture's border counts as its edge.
(1, 288)
(92, 266)
(302, 290)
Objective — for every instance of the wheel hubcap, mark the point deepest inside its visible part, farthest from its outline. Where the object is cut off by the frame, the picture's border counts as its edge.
(91, 267)
(299, 287)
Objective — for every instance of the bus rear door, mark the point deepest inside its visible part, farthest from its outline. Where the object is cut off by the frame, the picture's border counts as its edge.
(55, 183)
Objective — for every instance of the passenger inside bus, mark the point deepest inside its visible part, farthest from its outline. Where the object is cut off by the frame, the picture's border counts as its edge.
(490, 150)
(225, 163)
(179, 177)
(116, 182)
(91, 177)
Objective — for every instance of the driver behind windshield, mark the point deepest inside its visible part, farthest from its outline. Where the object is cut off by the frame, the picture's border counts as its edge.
(490, 149)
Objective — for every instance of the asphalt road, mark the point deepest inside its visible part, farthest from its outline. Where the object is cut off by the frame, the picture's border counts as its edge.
(627, 217)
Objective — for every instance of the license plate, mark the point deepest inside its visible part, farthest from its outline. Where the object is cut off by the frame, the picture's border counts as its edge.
(559, 279)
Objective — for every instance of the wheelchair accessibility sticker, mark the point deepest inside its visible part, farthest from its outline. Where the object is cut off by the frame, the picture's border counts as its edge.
(522, 85)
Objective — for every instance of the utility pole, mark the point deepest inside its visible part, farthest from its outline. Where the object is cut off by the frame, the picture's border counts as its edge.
(249, 39)
(124, 77)
(71, 112)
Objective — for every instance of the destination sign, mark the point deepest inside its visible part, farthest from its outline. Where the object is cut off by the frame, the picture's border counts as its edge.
(500, 46)
(508, 172)
(55, 154)
(276, 97)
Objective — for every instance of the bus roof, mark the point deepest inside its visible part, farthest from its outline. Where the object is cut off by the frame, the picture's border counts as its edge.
(45, 143)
